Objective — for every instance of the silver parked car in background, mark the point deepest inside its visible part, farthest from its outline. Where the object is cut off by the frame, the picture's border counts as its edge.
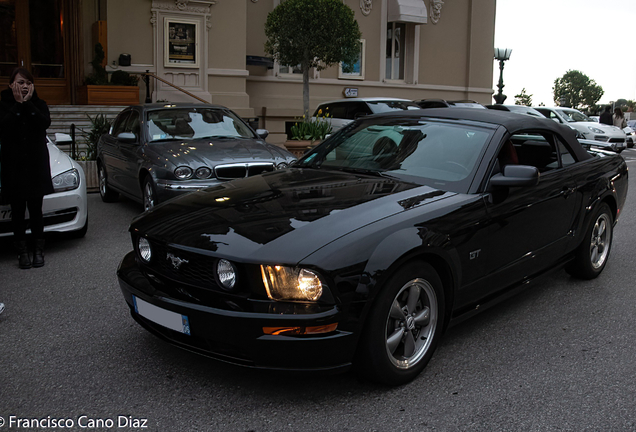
(343, 111)
(154, 152)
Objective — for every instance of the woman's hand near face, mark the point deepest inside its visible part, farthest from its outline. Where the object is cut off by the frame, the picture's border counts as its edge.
(29, 94)
(17, 92)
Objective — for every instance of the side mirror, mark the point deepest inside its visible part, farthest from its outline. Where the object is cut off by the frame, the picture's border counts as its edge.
(516, 176)
(62, 138)
(127, 137)
(360, 114)
(263, 133)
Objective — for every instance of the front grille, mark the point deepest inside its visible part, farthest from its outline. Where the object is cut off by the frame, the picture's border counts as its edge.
(52, 218)
(617, 140)
(240, 170)
(194, 268)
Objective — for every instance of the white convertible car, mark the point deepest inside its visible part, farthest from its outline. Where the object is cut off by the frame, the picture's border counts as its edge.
(65, 210)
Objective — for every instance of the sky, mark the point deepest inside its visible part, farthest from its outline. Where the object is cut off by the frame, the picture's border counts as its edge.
(550, 37)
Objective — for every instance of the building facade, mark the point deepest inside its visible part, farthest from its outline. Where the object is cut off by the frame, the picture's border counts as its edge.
(214, 49)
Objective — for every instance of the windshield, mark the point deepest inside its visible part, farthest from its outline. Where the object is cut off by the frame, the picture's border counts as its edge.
(195, 123)
(388, 106)
(572, 116)
(434, 153)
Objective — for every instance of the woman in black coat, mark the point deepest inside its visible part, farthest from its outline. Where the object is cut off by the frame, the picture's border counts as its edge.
(25, 169)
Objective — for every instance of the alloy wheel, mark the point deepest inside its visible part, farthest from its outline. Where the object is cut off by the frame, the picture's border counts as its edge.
(600, 242)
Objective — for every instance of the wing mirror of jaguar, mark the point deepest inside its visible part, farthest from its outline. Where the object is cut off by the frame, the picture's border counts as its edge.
(127, 137)
(515, 176)
(263, 133)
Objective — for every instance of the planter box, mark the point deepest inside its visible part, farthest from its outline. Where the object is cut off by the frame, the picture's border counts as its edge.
(108, 95)
(90, 171)
(300, 147)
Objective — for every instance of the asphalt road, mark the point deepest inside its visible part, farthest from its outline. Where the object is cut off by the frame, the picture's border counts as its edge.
(559, 356)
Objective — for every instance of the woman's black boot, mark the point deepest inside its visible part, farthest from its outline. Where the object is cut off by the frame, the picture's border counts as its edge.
(38, 253)
(24, 261)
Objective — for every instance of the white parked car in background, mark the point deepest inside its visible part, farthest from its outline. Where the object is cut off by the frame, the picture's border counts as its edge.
(343, 111)
(613, 136)
(65, 210)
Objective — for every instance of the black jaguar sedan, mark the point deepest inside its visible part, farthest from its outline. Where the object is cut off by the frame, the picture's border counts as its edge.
(369, 247)
(154, 152)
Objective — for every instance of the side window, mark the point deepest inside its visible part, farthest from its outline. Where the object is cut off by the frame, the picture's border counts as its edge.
(120, 123)
(132, 125)
(536, 150)
(356, 110)
(566, 156)
(338, 110)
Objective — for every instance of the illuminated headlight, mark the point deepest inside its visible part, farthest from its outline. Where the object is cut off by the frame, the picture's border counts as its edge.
(226, 273)
(203, 172)
(145, 251)
(68, 180)
(288, 284)
(596, 130)
(183, 172)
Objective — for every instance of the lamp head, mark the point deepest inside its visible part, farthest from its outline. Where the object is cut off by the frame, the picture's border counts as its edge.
(502, 54)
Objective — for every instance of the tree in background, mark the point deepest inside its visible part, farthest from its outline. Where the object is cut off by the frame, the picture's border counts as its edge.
(312, 34)
(523, 98)
(576, 90)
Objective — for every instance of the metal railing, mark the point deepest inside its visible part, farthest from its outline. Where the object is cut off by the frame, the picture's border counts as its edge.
(146, 77)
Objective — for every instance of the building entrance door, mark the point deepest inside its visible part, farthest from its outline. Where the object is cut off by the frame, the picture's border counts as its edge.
(33, 34)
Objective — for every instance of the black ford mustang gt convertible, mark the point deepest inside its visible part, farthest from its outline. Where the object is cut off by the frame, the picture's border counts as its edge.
(367, 248)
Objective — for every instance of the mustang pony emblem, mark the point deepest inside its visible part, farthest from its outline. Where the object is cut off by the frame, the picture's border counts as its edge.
(176, 261)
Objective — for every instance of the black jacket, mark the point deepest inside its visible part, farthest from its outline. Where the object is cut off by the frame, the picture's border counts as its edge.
(606, 118)
(24, 156)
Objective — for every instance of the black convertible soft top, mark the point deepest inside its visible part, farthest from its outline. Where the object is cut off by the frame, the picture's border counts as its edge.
(512, 122)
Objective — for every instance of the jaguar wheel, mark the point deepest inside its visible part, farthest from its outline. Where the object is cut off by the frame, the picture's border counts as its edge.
(148, 192)
(592, 254)
(404, 326)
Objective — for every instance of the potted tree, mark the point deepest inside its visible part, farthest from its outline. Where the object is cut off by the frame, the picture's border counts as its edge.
(97, 90)
(87, 158)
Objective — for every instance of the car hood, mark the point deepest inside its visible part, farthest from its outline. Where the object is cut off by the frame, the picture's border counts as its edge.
(60, 162)
(213, 152)
(612, 131)
(281, 216)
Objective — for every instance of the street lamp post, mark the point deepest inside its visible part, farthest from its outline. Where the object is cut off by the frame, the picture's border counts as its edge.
(501, 54)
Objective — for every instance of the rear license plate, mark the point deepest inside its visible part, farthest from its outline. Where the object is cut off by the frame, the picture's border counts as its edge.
(166, 318)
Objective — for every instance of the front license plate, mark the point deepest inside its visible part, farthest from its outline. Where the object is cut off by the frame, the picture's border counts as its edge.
(166, 318)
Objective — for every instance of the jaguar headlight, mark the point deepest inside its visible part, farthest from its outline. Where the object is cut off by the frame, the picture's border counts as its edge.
(291, 284)
(203, 172)
(145, 251)
(282, 165)
(183, 172)
(66, 181)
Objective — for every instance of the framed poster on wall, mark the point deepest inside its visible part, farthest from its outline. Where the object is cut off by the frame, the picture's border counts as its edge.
(181, 42)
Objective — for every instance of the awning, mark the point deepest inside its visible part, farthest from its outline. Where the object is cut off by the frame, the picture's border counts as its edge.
(407, 11)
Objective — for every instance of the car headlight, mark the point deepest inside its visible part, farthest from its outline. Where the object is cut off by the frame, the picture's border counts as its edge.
(145, 251)
(203, 172)
(183, 172)
(289, 284)
(68, 180)
(282, 165)
(596, 130)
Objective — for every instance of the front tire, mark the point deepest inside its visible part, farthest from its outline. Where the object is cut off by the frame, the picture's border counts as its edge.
(592, 254)
(148, 193)
(106, 193)
(404, 326)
